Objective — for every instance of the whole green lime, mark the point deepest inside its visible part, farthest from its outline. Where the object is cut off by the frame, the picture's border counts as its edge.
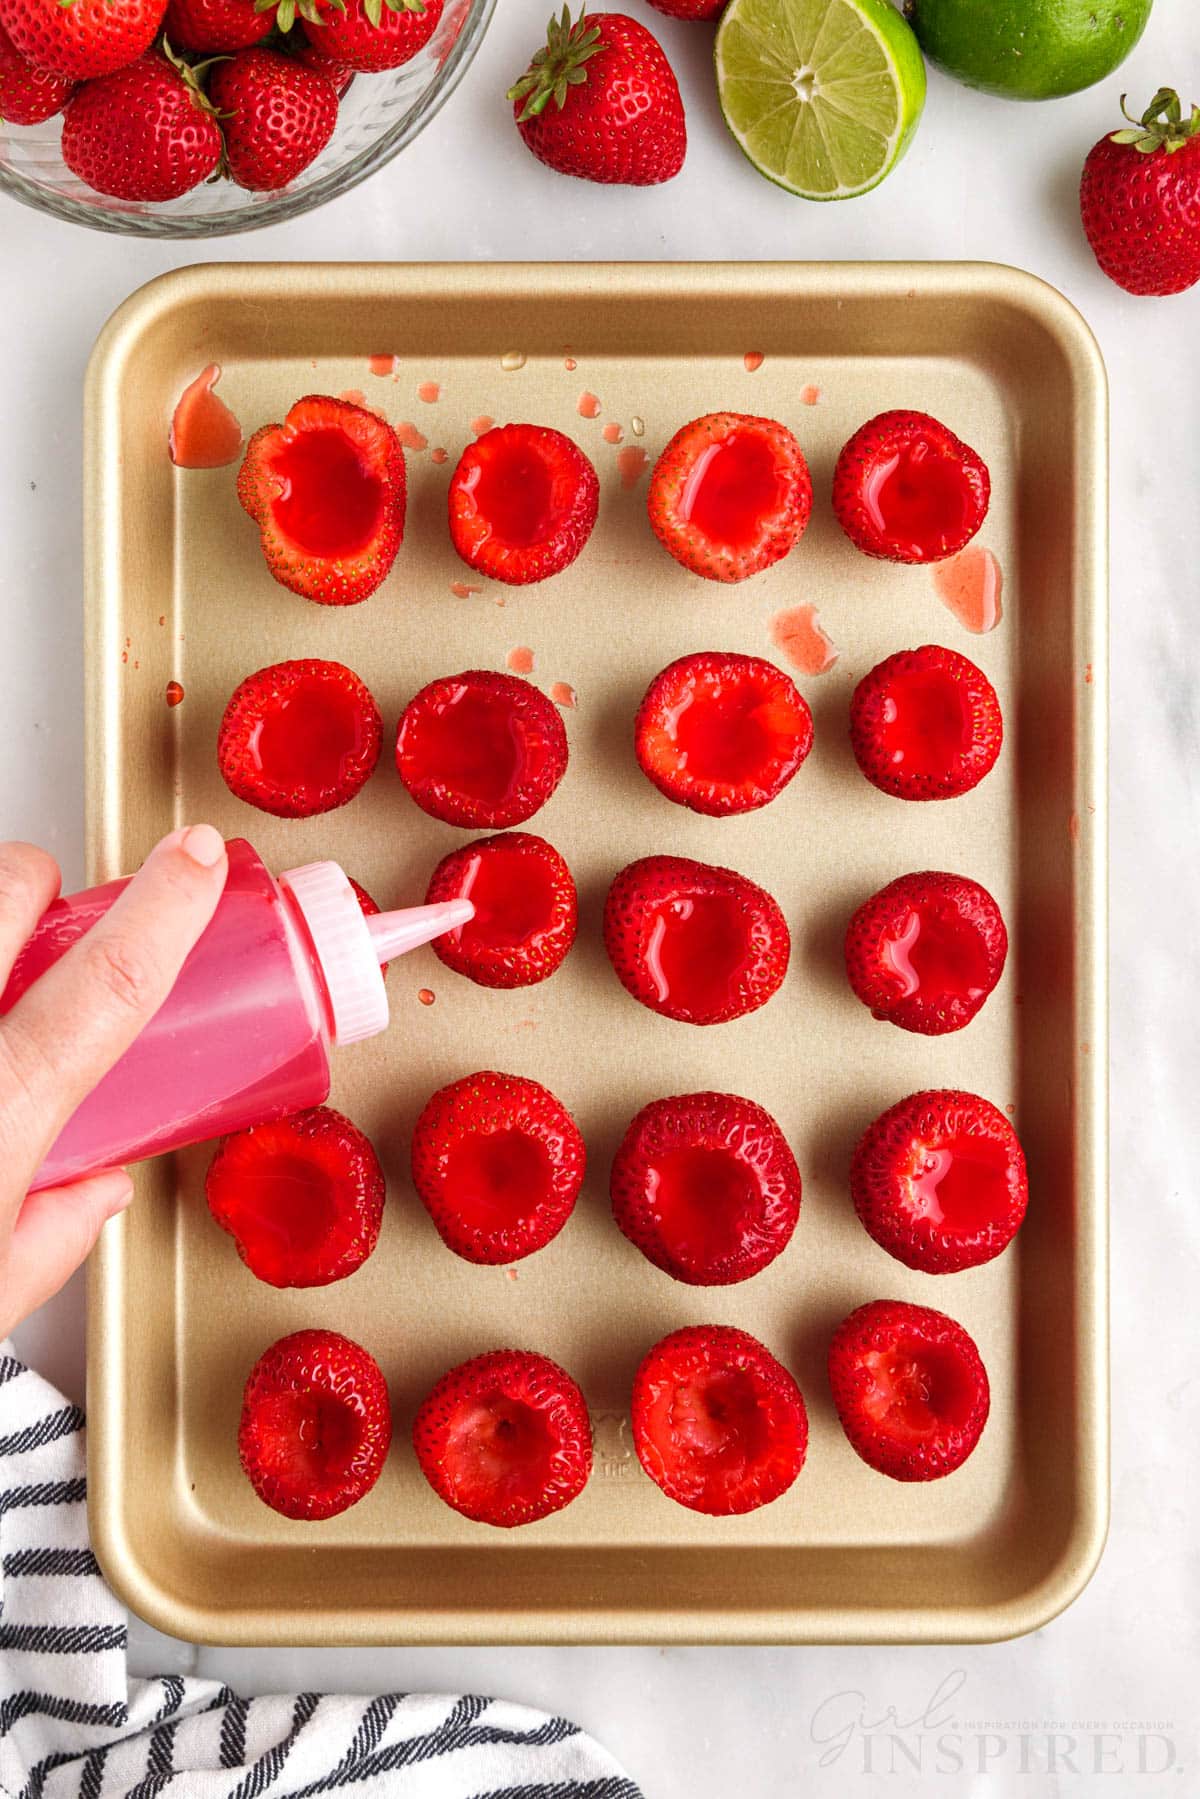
(1028, 49)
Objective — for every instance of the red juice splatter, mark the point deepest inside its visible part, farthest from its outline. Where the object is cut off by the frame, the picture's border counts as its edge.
(462, 590)
(798, 633)
(1073, 827)
(426, 995)
(969, 584)
(354, 396)
(753, 360)
(520, 659)
(481, 424)
(382, 364)
(174, 693)
(563, 694)
(410, 437)
(632, 464)
(439, 455)
(1087, 674)
(570, 364)
(430, 392)
(809, 396)
(204, 433)
(588, 406)
(612, 434)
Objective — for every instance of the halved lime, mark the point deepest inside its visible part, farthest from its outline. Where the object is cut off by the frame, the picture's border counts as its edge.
(822, 95)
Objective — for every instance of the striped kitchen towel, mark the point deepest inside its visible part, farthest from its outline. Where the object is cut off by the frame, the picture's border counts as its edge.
(75, 1725)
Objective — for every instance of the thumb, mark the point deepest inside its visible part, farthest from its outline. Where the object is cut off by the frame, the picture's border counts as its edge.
(54, 1233)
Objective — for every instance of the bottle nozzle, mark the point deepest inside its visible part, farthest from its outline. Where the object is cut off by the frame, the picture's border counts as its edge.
(394, 933)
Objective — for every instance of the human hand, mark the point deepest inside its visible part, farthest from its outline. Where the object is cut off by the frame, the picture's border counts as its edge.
(67, 1030)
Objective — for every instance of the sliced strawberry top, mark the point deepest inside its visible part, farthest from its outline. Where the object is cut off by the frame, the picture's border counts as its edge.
(909, 1387)
(299, 738)
(926, 950)
(718, 1423)
(315, 1425)
(939, 1181)
(730, 495)
(525, 910)
(301, 1197)
(694, 942)
(722, 733)
(481, 748)
(498, 1162)
(926, 724)
(523, 502)
(327, 489)
(706, 1187)
(905, 488)
(505, 1439)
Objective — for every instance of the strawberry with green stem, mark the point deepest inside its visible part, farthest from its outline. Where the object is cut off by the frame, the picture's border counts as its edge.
(146, 132)
(1140, 199)
(363, 34)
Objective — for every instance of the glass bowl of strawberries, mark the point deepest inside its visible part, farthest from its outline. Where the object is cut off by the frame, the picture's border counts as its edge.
(196, 118)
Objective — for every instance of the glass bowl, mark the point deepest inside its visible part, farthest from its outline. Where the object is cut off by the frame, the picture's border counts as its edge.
(377, 117)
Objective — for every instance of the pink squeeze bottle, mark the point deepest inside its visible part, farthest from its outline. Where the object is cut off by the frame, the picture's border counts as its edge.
(286, 969)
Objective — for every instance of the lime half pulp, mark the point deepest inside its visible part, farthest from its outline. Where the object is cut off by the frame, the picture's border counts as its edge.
(822, 95)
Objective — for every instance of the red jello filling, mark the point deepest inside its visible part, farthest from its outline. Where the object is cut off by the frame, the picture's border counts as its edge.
(963, 1185)
(936, 952)
(919, 497)
(516, 494)
(925, 724)
(697, 950)
(288, 1208)
(312, 737)
(918, 1388)
(515, 898)
(331, 502)
(472, 744)
(704, 1202)
(731, 488)
(495, 1179)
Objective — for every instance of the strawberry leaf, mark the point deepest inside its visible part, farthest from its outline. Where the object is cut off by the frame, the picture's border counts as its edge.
(558, 66)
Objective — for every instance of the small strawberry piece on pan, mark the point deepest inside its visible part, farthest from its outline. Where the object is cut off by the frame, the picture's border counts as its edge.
(707, 1188)
(29, 96)
(481, 748)
(327, 490)
(939, 1181)
(522, 502)
(722, 733)
(301, 1197)
(600, 101)
(277, 117)
(526, 912)
(365, 34)
(909, 1387)
(299, 738)
(925, 724)
(505, 1439)
(216, 27)
(84, 40)
(145, 132)
(694, 942)
(498, 1162)
(907, 490)
(730, 495)
(315, 1426)
(718, 1423)
(926, 950)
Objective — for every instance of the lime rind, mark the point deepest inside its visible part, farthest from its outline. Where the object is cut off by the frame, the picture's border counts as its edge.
(822, 96)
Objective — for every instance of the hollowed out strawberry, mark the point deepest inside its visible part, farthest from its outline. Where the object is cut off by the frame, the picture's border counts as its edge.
(730, 495)
(215, 27)
(906, 489)
(481, 748)
(505, 1438)
(498, 1163)
(368, 34)
(302, 1197)
(299, 738)
(706, 1187)
(925, 724)
(722, 733)
(522, 503)
(909, 1387)
(718, 1423)
(525, 910)
(29, 96)
(939, 1181)
(316, 1424)
(694, 942)
(926, 950)
(327, 490)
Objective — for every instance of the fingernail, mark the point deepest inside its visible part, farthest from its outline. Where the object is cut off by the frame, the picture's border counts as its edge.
(203, 845)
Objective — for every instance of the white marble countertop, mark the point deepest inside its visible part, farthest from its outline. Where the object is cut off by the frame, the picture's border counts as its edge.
(985, 179)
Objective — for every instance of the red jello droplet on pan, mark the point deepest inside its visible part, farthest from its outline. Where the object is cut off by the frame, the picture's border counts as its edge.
(204, 433)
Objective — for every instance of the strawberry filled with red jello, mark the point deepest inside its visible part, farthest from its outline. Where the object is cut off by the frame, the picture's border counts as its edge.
(522, 503)
(910, 1389)
(697, 943)
(722, 733)
(526, 911)
(925, 724)
(316, 1424)
(299, 738)
(925, 951)
(327, 489)
(481, 749)
(730, 495)
(906, 489)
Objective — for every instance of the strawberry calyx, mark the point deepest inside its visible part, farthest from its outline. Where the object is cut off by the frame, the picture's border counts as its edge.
(374, 8)
(1161, 127)
(193, 76)
(558, 66)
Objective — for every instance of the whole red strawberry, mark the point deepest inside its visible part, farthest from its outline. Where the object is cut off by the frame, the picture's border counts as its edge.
(498, 1163)
(523, 502)
(690, 9)
(316, 1424)
(718, 1423)
(367, 34)
(215, 27)
(28, 96)
(706, 1187)
(694, 942)
(299, 738)
(925, 724)
(81, 39)
(600, 100)
(730, 495)
(909, 1387)
(926, 950)
(481, 748)
(906, 489)
(526, 910)
(301, 1197)
(1140, 199)
(505, 1438)
(313, 58)
(939, 1181)
(722, 733)
(143, 133)
(277, 117)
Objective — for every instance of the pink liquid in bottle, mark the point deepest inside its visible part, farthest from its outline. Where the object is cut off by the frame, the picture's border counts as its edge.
(285, 970)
